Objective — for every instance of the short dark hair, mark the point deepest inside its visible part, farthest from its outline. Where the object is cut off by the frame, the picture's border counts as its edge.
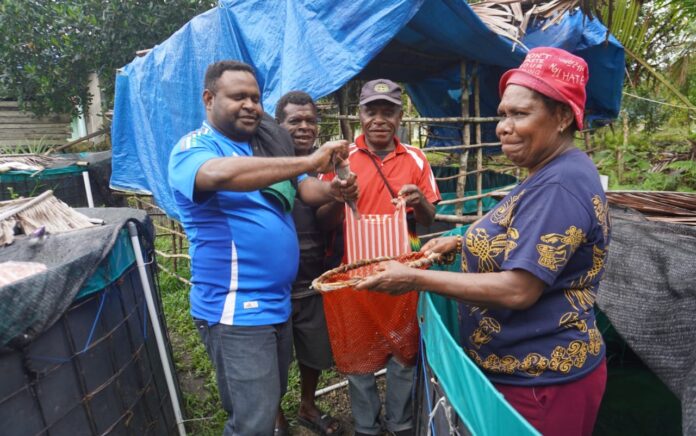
(215, 71)
(299, 98)
(552, 105)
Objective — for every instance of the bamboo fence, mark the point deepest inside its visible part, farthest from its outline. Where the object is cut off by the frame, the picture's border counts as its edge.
(470, 156)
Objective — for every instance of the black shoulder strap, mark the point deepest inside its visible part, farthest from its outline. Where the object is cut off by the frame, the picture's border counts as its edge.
(410, 217)
(271, 140)
(379, 170)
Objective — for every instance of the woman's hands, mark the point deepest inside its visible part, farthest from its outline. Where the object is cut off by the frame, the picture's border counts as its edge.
(394, 278)
(442, 245)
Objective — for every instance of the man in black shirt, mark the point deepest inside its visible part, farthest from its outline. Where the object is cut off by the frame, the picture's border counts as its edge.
(297, 113)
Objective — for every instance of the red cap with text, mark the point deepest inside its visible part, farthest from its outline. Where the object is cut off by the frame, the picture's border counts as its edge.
(554, 73)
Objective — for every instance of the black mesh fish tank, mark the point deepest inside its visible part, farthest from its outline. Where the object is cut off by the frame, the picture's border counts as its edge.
(63, 174)
(80, 352)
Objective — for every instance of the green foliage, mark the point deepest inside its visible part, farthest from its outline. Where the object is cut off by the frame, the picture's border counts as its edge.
(12, 193)
(49, 48)
(196, 374)
(41, 50)
(659, 97)
(659, 39)
(660, 161)
(438, 158)
(28, 147)
(199, 388)
(685, 170)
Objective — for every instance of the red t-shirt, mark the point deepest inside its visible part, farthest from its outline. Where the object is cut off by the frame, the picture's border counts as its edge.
(405, 165)
(366, 328)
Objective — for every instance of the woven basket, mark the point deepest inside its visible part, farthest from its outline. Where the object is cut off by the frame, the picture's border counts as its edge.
(347, 276)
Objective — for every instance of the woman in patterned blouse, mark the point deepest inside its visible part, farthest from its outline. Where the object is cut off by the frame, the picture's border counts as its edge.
(531, 266)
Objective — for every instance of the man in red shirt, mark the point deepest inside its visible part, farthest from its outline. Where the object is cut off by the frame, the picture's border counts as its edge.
(367, 330)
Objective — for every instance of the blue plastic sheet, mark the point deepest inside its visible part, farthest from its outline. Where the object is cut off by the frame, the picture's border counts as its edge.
(317, 46)
(458, 33)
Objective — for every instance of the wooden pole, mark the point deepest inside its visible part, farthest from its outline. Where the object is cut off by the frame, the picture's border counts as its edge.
(77, 141)
(622, 147)
(588, 144)
(477, 196)
(483, 170)
(459, 220)
(466, 139)
(407, 124)
(479, 152)
(341, 97)
(464, 147)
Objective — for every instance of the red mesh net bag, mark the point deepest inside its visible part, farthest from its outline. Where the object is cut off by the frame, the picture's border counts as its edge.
(365, 327)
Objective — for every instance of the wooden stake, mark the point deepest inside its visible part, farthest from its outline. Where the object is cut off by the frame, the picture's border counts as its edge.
(443, 120)
(459, 220)
(341, 97)
(479, 152)
(466, 139)
(621, 148)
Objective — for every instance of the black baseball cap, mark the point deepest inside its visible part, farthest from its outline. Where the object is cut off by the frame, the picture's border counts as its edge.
(380, 89)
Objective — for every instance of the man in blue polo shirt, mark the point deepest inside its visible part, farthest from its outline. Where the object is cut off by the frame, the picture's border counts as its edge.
(234, 181)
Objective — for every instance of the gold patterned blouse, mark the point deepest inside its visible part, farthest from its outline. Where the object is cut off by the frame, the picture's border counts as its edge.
(554, 225)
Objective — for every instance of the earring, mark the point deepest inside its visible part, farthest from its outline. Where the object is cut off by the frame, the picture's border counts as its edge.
(561, 129)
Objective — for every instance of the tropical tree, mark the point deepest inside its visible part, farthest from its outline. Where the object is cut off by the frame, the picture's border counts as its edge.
(48, 48)
(659, 39)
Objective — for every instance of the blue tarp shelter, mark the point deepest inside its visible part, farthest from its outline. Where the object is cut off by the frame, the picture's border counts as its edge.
(319, 45)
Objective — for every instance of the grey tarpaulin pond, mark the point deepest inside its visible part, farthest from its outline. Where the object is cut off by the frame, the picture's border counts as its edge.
(78, 349)
(649, 295)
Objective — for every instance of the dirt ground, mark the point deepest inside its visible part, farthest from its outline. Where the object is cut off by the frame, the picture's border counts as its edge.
(337, 403)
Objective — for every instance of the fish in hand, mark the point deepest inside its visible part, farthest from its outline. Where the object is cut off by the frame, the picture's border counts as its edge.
(342, 171)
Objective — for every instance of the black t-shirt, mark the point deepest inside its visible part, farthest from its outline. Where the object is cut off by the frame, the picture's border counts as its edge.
(312, 246)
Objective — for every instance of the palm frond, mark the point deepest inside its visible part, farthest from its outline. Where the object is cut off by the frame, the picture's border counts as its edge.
(639, 29)
(510, 18)
(660, 78)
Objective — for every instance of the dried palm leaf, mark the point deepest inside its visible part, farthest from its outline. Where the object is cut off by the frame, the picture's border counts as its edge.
(7, 231)
(517, 12)
(33, 213)
(28, 162)
(30, 159)
(674, 207)
(510, 18)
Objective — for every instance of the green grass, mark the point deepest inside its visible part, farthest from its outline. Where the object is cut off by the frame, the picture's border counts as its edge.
(196, 375)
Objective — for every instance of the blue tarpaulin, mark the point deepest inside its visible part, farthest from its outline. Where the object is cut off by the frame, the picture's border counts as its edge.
(319, 45)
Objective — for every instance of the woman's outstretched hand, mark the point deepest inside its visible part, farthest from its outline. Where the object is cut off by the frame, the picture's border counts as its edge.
(393, 278)
(442, 245)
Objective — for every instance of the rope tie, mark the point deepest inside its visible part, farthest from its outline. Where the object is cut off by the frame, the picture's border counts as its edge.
(447, 409)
